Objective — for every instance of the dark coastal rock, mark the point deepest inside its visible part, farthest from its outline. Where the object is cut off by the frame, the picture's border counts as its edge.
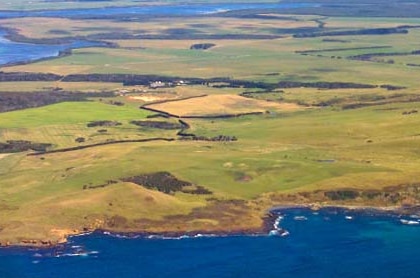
(342, 194)
(401, 195)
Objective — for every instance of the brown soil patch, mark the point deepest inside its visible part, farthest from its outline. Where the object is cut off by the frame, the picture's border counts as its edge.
(62, 234)
(244, 178)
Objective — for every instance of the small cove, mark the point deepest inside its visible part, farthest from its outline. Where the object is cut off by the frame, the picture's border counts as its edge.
(325, 243)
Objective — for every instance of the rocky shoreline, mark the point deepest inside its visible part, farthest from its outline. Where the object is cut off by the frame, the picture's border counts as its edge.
(268, 226)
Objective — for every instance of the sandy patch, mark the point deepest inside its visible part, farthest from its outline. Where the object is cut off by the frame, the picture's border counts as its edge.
(3, 155)
(145, 98)
(154, 97)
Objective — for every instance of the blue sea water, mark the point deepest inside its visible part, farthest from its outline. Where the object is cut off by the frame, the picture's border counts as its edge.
(319, 245)
(179, 9)
(14, 52)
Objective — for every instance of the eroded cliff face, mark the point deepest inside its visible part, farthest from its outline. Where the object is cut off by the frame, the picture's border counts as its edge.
(403, 195)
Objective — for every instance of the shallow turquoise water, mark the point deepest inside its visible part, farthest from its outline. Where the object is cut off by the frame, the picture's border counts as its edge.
(324, 244)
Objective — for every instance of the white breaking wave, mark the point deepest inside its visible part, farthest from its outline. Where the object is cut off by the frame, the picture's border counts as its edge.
(216, 11)
(409, 222)
(278, 231)
(78, 254)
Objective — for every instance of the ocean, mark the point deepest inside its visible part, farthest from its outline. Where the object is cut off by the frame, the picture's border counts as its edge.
(165, 10)
(326, 243)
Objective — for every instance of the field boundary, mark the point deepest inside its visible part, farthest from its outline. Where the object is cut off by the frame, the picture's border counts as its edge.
(102, 144)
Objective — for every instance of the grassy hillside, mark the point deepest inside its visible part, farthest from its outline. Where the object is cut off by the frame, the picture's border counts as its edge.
(338, 125)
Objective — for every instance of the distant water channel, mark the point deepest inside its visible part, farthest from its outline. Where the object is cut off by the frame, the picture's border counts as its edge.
(319, 245)
(181, 10)
(14, 52)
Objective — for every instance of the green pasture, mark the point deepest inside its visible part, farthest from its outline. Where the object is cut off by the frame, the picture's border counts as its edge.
(253, 60)
(41, 86)
(368, 148)
(61, 124)
(274, 150)
(286, 152)
(68, 113)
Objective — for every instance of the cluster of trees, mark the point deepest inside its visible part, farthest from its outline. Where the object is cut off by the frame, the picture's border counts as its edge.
(107, 183)
(392, 87)
(167, 183)
(28, 76)
(392, 194)
(108, 142)
(198, 190)
(180, 34)
(13, 146)
(10, 101)
(339, 49)
(325, 85)
(202, 46)
(371, 31)
(158, 124)
(218, 138)
(217, 82)
(413, 111)
(103, 123)
(370, 56)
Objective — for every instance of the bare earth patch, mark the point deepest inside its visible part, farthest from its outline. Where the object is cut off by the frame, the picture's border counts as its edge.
(220, 105)
(153, 97)
(62, 234)
(3, 155)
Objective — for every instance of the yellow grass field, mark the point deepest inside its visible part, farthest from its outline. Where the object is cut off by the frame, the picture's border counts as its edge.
(215, 105)
(41, 27)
